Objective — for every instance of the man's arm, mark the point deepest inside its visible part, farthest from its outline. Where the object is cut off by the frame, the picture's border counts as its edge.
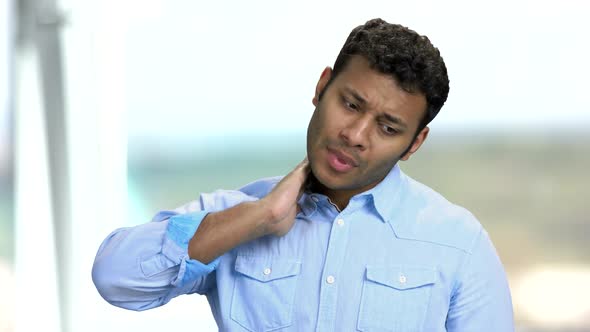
(481, 297)
(274, 214)
(146, 266)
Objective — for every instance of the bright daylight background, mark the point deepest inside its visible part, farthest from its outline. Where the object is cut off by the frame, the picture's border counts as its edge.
(166, 99)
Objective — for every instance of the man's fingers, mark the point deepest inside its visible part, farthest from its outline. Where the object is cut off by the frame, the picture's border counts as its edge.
(302, 169)
(303, 165)
(298, 175)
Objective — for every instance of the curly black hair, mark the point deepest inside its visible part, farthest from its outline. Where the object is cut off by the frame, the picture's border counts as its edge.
(413, 62)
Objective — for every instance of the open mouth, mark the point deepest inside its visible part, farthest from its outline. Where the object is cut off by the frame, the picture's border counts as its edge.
(340, 161)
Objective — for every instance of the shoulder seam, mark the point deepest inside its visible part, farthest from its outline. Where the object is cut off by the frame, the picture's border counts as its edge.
(466, 260)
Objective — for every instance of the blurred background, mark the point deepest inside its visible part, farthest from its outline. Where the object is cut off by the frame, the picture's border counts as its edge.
(113, 110)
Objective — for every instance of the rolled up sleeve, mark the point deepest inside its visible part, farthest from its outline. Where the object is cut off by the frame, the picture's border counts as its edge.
(145, 266)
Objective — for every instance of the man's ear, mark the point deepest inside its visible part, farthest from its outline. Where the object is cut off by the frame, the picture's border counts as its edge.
(420, 138)
(324, 79)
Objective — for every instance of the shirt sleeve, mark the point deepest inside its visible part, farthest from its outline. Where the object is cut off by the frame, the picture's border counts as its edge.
(481, 297)
(145, 266)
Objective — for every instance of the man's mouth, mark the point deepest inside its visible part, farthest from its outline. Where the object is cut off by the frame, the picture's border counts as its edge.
(340, 161)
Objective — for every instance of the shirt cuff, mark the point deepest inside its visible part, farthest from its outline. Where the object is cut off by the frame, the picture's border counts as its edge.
(180, 230)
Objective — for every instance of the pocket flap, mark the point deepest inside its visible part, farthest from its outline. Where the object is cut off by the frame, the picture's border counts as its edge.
(266, 268)
(402, 277)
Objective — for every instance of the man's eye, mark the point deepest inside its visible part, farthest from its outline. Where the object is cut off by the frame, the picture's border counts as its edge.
(350, 105)
(388, 130)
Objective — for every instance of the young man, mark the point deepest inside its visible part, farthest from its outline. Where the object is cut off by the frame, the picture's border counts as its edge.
(345, 241)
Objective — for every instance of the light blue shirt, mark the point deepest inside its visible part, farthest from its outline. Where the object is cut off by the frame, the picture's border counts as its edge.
(399, 257)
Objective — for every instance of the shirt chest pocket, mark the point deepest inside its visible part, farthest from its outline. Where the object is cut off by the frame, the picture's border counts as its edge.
(395, 298)
(264, 291)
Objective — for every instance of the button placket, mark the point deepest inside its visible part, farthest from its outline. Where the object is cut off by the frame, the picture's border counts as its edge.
(335, 258)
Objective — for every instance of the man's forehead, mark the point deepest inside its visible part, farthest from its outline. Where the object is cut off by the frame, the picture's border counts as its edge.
(358, 76)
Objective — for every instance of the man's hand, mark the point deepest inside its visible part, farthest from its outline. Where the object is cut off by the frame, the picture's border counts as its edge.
(281, 202)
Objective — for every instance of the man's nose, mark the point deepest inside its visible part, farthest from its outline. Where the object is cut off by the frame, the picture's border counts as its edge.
(356, 133)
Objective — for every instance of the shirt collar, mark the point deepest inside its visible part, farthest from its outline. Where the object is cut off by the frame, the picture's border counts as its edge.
(308, 203)
(384, 196)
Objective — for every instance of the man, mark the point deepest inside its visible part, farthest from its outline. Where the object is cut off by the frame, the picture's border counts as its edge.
(345, 241)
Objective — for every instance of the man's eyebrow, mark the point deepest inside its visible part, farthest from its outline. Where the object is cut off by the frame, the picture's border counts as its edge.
(355, 95)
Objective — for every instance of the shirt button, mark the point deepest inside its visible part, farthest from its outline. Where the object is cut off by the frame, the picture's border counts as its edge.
(402, 279)
(330, 279)
(315, 199)
(340, 222)
(266, 271)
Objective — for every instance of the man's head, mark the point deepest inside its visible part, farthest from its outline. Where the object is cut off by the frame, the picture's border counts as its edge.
(409, 58)
(372, 109)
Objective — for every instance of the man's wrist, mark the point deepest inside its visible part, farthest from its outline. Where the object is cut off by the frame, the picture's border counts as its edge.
(268, 220)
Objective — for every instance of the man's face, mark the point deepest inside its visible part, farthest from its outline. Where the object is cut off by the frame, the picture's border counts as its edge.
(360, 128)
